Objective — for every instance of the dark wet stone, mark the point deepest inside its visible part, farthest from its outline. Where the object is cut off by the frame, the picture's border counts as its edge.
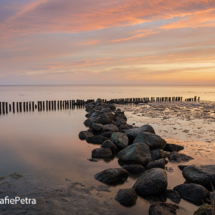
(157, 154)
(169, 169)
(120, 116)
(103, 188)
(15, 175)
(156, 164)
(179, 157)
(194, 193)
(92, 160)
(110, 127)
(87, 122)
(173, 195)
(133, 132)
(181, 167)
(84, 134)
(112, 176)
(111, 106)
(106, 134)
(97, 127)
(134, 168)
(204, 210)
(151, 182)
(137, 153)
(152, 140)
(101, 153)
(106, 109)
(119, 139)
(105, 118)
(173, 147)
(108, 144)
(126, 197)
(204, 175)
(163, 209)
(96, 139)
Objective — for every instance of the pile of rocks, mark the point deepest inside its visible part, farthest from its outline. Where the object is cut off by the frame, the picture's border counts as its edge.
(141, 151)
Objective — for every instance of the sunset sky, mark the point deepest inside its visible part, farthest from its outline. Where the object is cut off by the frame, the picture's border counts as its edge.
(148, 42)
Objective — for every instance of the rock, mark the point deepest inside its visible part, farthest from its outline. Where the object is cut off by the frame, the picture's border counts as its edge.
(137, 153)
(204, 175)
(173, 148)
(132, 133)
(99, 102)
(134, 168)
(96, 113)
(126, 197)
(112, 176)
(111, 106)
(101, 153)
(179, 157)
(156, 164)
(166, 154)
(204, 210)
(121, 123)
(109, 145)
(96, 139)
(87, 122)
(120, 115)
(92, 160)
(163, 209)
(103, 188)
(119, 139)
(173, 195)
(97, 126)
(151, 182)
(110, 127)
(2, 177)
(106, 109)
(169, 169)
(157, 154)
(106, 134)
(105, 118)
(194, 193)
(15, 175)
(181, 167)
(84, 134)
(152, 140)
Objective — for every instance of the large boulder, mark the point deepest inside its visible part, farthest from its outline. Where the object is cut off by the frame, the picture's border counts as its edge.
(157, 154)
(112, 176)
(204, 210)
(106, 109)
(109, 145)
(204, 175)
(105, 118)
(173, 148)
(84, 134)
(111, 106)
(96, 113)
(152, 140)
(87, 122)
(106, 134)
(151, 182)
(120, 115)
(156, 164)
(99, 102)
(173, 195)
(96, 139)
(119, 139)
(101, 153)
(137, 153)
(126, 197)
(133, 132)
(162, 208)
(194, 193)
(110, 127)
(134, 168)
(97, 126)
(176, 157)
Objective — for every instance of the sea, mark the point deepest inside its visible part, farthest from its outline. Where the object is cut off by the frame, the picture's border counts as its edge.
(45, 144)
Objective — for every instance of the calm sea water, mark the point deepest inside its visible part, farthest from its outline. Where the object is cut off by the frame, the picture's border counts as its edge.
(46, 144)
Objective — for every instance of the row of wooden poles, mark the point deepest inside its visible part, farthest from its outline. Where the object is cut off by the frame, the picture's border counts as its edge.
(5, 107)
(70, 104)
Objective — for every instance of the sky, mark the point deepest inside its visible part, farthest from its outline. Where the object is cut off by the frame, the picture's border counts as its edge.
(114, 42)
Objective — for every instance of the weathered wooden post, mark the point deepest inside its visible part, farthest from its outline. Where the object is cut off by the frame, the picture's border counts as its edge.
(61, 105)
(49, 105)
(9, 107)
(43, 105)
(3, 107)
(13, 107)
(181, 99)
(173, 99)
(0, 108)
(17, 107)
(198, 99)
(24, 106)
(55, 105)
(195, 97)
(20, 106)
(6, 107)
(52, 105)
(27, 106)
(169, 99)
(32, 106)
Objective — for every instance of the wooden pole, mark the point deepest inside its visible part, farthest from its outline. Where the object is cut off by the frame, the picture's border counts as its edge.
(20, 106)
(32, 106)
